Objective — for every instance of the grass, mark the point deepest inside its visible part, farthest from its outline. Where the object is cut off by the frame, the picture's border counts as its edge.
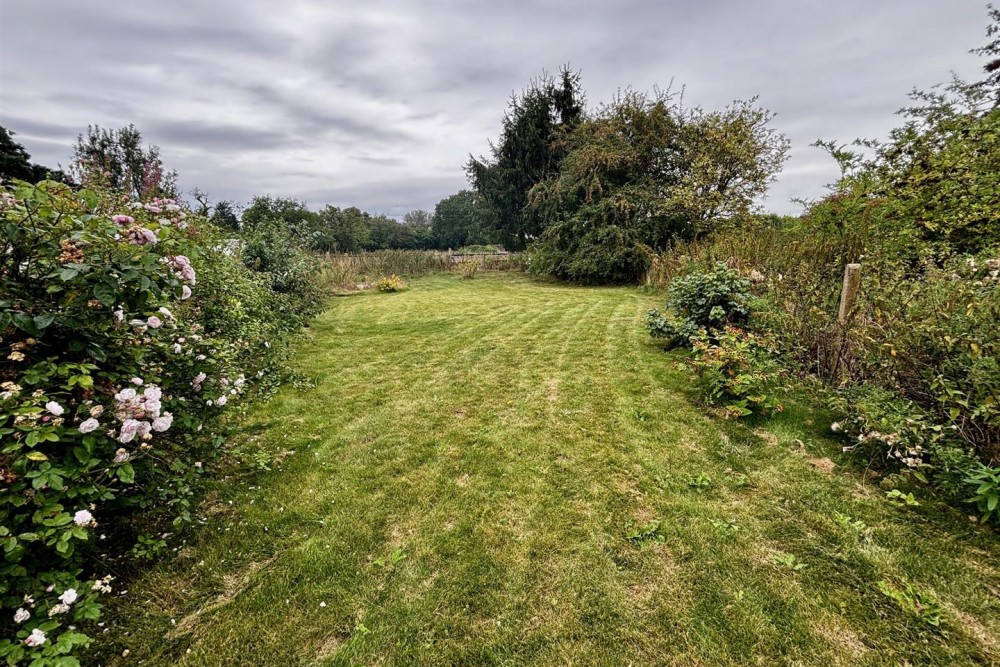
(503, 472)
(346, 271)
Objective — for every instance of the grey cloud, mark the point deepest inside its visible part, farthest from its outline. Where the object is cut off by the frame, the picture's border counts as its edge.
(211, 136)
(27, 127)
(311, 120)
(379, 104)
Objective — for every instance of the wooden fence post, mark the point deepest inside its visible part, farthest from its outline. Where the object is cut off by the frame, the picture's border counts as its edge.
(848, 299)
(849, 293)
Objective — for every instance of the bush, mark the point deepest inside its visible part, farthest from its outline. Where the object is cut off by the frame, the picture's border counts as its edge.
(737, 370)
(288, 270)
(884, 428)
(390, 284)
(708, 300)
(938, 340)
(895, 433)
(127, 330)
(578, 252)
(468, 268)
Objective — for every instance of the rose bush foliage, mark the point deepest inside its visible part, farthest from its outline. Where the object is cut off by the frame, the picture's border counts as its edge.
(127, 329)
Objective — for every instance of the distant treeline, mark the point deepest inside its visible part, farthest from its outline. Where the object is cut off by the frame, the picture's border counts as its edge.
(453, 224)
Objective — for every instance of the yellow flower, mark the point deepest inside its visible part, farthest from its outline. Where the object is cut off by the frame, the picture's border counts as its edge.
(16, 356)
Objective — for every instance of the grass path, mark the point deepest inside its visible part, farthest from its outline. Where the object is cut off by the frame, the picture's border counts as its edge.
(466, 472)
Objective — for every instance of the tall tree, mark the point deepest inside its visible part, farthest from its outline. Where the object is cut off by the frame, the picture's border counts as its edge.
(384, 233)
(119, 159)
(418, 226)
(224, 215)
(992, 53)
(347, 228)
(456, 221)
(530, 149)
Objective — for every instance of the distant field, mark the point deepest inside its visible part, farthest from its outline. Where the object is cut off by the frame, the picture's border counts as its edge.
(505, 472)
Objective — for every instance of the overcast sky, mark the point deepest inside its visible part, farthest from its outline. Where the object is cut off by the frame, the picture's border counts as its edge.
(378, 104)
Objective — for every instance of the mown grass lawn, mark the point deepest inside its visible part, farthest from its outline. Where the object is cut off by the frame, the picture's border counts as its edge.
(506, 472)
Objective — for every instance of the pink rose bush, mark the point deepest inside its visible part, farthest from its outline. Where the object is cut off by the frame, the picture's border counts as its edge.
(110, 347)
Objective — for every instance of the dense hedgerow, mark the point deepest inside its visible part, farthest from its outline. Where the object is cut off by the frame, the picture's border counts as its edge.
(914, 371)
(127, 330)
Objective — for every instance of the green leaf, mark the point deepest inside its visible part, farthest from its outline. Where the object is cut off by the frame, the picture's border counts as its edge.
(67, 273)
(105, 293)
(43, 321)
(36, 456)
(126, 473)
(24, 322)
(97, 353)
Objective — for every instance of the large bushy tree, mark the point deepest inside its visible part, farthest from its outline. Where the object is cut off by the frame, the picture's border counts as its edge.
(530, 149)
(304, 226)
(348, 229)
(417, 232)
(643, 173)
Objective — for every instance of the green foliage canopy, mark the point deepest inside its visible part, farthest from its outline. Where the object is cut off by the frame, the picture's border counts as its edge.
(644, 173)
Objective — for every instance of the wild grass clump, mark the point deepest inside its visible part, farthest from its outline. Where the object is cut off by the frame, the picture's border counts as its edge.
(347, 271)
(468, 268)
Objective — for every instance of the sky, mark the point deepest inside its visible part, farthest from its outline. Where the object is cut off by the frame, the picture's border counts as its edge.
(379, 104)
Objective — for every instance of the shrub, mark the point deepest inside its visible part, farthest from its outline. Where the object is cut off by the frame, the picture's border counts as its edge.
(952, 466)
(897, 434)
(288, 270)
(938, 340)
(578, 252)
(127, 329)
(468, 268)
(708, 300)
(391, 283)
(737, 370)
(883, 427)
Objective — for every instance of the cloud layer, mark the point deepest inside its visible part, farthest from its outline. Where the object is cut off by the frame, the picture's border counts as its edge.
(379, 104)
